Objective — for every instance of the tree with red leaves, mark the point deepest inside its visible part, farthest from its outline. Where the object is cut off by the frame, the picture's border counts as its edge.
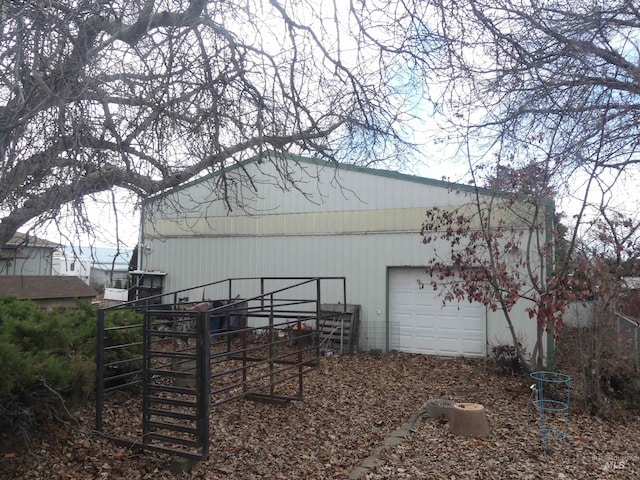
(507, 247)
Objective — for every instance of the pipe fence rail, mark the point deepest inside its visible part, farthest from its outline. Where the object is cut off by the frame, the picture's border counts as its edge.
(184, 358)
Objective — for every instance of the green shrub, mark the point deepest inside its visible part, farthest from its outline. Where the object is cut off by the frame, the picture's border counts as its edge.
(44, 342)
(49, 356)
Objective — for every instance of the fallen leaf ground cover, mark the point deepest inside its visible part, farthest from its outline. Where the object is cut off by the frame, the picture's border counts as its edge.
(351, 404)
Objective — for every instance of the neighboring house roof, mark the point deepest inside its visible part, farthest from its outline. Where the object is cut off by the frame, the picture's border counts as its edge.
(39, 287)
(100, 257)
(24, 239)
(11, 250)
(104, 258)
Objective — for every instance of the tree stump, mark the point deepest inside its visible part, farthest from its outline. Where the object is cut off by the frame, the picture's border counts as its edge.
(469, 420)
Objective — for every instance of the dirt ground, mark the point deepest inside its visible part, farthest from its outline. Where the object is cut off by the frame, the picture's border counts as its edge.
(351, 405)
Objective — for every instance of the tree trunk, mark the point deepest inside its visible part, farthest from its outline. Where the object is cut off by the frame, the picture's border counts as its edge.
(519, 351)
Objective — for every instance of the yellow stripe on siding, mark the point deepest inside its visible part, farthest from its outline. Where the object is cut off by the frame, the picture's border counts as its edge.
(322, 223)
(318, 223)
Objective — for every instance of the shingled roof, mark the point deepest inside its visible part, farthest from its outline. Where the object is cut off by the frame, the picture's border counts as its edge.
(41, 287)
(24, 240)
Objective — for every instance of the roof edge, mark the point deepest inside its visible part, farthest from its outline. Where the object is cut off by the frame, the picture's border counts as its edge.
(546, 201)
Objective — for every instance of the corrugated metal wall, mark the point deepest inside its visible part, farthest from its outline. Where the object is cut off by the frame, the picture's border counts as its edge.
(363, 259)
(318, 233)
(29, 261)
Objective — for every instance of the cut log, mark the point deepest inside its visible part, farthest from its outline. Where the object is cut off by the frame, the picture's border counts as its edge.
(469, 420)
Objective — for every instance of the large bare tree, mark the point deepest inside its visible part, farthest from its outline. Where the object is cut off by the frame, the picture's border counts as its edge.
(143, 95)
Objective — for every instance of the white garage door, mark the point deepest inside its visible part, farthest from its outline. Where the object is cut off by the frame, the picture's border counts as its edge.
(418, 322)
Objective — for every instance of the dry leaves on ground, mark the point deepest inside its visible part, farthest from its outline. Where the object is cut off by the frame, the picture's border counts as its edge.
(351, 404)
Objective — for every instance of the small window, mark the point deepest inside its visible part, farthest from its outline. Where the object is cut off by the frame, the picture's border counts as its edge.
(72, 267)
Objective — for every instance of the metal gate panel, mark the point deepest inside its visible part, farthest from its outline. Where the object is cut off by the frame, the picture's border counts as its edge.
(176, 384)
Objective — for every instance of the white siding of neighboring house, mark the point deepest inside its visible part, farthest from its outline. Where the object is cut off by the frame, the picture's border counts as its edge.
(350, 223)
(94, 265)
(112, 277)
(72, 267)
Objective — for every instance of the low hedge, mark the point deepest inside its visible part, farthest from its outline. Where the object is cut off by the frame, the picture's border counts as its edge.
(47, 360)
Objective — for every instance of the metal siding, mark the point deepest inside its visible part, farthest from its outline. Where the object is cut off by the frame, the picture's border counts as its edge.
(352, 191)
(498, 331)
(39, 261)
(316, 223)
(363, 258)
(185, 259)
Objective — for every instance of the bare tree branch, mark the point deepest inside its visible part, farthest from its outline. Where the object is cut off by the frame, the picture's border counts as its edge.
(145, 94)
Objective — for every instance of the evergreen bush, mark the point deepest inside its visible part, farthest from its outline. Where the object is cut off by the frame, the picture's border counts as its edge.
(48, 359)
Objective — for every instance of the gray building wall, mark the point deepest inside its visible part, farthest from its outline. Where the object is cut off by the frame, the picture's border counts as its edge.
(27, 260)
(348, 222)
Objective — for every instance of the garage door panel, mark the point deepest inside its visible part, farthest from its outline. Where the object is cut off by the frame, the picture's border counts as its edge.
(420, 324)
(424, 333)
(472, 345)
(404, 316)
(450, 330)
(428, 310)
(404, 299)
(473, 334)
(423, 317)
(448, 343)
